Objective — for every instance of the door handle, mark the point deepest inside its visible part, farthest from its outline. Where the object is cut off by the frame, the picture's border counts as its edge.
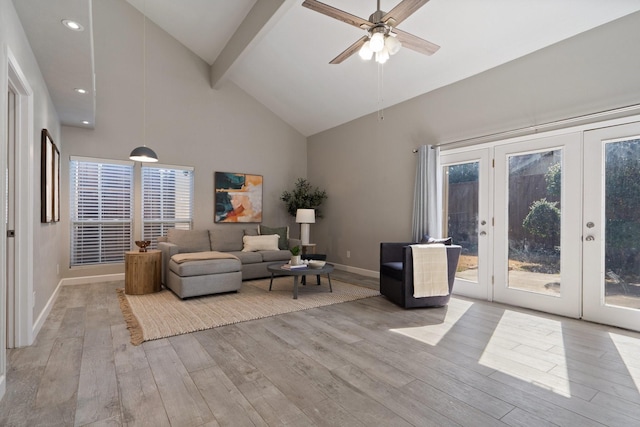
(483, 233)
(590, 238)
(590, 224)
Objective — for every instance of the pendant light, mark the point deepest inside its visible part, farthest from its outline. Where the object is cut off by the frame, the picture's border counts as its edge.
(144, 153)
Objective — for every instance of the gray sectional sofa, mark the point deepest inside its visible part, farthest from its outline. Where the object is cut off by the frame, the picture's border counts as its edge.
(202, 262)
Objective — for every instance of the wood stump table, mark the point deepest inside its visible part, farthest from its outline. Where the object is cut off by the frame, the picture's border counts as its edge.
(142, 272)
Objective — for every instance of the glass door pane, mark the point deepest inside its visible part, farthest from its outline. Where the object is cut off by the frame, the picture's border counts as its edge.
(462, 184)
(622, 223)
(534, 221)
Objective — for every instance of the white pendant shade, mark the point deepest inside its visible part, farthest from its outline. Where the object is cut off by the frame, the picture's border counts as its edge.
(365, 51)
(392, 44)
(377, 42)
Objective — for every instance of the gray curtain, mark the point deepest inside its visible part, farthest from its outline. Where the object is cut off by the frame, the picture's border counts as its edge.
(427, 196)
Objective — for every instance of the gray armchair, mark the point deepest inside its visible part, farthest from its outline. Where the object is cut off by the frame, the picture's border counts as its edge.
(396, 275)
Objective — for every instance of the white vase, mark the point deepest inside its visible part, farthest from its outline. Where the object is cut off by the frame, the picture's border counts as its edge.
(296, 259)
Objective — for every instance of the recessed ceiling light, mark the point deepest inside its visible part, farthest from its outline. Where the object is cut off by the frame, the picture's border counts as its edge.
(85, 122)
(80, 90)
(72, 25)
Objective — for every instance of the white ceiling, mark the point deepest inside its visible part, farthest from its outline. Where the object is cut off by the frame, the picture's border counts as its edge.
(286, 64)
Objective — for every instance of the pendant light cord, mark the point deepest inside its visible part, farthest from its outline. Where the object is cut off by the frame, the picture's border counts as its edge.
(380, 92)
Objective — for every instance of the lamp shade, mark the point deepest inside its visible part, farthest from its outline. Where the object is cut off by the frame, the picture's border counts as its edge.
(306, 216)
(143, 154)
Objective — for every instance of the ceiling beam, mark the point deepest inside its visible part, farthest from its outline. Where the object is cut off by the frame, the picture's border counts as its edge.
(260, 19)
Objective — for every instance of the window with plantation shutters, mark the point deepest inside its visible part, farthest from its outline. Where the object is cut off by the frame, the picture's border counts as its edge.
(167, 200)
(101, 202)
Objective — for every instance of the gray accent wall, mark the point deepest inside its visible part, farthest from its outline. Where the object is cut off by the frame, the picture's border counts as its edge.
(367, 166)
(188, 122)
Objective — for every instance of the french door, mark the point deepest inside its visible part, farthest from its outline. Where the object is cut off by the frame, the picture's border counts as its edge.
(467, 201)
(552, 225)
(611, 226)
(537, 211)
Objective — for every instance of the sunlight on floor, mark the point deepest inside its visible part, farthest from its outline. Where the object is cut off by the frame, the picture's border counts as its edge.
(519, 351)
(628, 353)
(432, 334)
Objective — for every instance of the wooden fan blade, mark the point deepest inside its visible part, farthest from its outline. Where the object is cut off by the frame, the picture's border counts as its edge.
(416, 43)
(349, 51)
(338, 14)
(403, 10)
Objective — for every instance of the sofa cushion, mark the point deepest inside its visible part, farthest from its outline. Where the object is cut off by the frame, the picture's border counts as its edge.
(226, 239)
(251, 232)
(189, 240)
(260, 243)
(282, 232)
(200, 268)
(272, 256)
(248, 257)
(392, 269)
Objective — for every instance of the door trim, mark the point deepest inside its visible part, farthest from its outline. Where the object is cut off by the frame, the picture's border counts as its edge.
(24, 202)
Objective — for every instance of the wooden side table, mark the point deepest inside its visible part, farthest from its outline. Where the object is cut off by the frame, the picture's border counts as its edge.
(142, 272)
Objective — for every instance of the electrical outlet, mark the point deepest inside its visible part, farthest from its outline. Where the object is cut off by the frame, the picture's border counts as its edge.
(348, 254)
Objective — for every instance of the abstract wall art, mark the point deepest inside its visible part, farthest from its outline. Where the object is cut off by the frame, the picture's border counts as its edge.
(238, 197)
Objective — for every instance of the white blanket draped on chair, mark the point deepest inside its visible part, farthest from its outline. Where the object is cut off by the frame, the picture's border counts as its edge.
(430, 273)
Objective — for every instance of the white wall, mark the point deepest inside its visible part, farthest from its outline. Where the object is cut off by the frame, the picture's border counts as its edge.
(188, 122)
(47, 237)
(368, 168)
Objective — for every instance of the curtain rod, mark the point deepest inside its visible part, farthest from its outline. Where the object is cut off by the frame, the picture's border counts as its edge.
(544, 126)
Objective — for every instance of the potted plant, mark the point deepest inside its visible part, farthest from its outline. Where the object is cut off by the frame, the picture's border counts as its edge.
(296, 258)
(304, 196)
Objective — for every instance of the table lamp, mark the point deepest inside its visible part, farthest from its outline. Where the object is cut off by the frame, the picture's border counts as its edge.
(305, 217)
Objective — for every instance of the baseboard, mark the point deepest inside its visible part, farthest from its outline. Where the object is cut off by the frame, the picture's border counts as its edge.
(92, 279)
(42, 317)
(356, 270)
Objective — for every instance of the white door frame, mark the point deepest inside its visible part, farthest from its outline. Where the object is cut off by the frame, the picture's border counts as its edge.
(24, 203)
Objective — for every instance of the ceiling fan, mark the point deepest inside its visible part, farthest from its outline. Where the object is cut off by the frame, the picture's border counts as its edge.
(382, 38)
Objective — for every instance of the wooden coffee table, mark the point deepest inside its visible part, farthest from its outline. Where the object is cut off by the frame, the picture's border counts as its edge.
(297, 272)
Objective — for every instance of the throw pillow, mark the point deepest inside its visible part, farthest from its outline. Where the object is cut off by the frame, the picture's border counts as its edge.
(189, 240)
(429, 240)
(282, 232)
(260, 243)
(226, 239)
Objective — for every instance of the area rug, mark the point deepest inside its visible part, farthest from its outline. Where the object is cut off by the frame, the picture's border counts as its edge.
(163, 314)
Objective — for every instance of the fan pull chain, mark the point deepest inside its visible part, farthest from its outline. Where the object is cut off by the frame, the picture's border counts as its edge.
(380, 92)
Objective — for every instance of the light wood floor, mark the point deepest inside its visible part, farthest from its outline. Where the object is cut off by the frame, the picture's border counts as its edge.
(363, 363)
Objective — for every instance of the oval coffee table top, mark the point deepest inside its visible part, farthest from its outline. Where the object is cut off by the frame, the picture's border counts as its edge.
(304, 271)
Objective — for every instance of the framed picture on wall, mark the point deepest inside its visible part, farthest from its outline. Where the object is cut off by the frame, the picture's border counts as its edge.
(49, 180)
(238, 197)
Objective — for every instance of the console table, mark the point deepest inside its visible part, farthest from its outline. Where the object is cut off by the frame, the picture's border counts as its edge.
(142, 272)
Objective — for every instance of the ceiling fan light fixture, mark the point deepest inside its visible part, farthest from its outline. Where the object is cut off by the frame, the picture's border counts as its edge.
(392, 44)
(377, 42)
(365, 51)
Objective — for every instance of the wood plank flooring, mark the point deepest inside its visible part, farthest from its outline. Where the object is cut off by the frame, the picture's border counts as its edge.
(362, 363)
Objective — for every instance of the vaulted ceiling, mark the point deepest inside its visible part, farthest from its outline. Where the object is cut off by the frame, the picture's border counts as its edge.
(279, 52)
